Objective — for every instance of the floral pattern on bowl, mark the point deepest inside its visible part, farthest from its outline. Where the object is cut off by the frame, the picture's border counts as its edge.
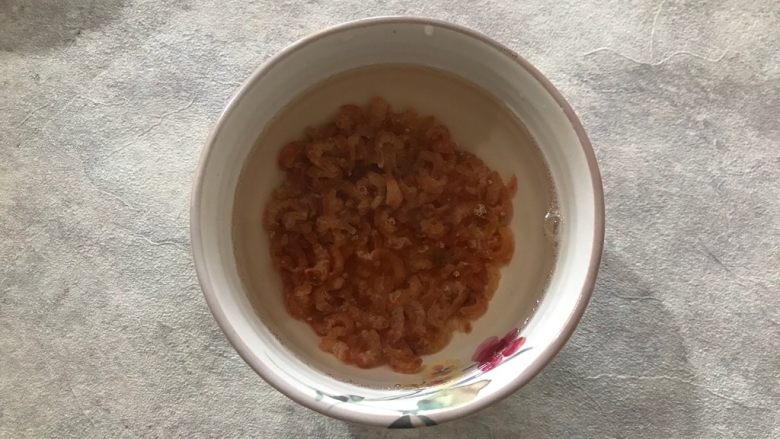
(441, 388)
(492, 352)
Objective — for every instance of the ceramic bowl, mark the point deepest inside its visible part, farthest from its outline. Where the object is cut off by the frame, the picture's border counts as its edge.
(513, 346)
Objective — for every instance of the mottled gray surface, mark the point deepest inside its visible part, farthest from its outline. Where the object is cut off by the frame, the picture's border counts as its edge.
(105, 105)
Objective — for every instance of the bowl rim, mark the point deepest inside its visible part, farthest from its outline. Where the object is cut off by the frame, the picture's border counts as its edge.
(295, 393)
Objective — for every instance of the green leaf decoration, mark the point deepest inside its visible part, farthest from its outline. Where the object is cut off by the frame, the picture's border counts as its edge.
(404, 421)
(452, 396)
(428, 421)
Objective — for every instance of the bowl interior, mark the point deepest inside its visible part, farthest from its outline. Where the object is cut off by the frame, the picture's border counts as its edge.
(285, 351)
(481, 124)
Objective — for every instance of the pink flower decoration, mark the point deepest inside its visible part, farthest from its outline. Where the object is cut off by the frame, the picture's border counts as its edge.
(491, 364)
(491, 352)
(486, 350)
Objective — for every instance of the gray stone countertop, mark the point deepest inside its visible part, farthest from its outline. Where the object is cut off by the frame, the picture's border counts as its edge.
(105, 106)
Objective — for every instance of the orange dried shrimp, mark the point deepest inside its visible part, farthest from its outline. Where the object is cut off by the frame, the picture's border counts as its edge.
(387, 236)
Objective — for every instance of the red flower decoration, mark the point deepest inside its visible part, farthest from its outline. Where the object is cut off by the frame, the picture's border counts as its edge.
(491, 352)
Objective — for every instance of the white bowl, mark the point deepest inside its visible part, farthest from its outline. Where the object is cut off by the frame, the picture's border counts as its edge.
(284, 351)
